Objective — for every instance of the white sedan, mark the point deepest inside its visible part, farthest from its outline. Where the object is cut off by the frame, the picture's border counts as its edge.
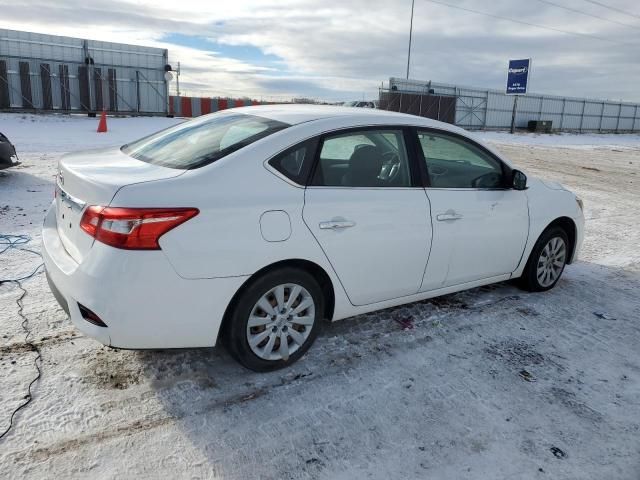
(254, 224)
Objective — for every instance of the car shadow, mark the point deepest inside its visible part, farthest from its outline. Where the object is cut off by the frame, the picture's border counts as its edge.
(19, 177)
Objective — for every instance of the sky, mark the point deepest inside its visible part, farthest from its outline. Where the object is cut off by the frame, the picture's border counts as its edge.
(344, 49)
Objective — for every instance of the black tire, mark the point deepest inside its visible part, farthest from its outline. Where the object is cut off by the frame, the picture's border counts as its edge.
(529, 280)
(235, 332)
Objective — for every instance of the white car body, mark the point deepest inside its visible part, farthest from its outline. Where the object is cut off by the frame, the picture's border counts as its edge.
(251, 217)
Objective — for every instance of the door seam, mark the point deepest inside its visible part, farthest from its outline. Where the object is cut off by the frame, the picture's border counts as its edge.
(304, 204)
(430, 241)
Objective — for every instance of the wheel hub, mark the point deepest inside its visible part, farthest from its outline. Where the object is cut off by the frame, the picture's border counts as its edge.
(281, 320)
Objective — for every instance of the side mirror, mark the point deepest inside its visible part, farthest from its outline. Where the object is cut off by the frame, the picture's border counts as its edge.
(518, 180)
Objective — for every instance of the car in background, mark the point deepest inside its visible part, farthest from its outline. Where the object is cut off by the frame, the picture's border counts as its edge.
(8, 155)
(360, 104)
(252, 225)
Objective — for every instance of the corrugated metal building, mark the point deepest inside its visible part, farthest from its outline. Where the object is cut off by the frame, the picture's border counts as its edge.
(492, 109)
(54, 73)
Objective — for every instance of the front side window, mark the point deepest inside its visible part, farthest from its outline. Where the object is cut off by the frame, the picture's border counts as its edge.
(201, 141)
(456, 163)
(368, 158)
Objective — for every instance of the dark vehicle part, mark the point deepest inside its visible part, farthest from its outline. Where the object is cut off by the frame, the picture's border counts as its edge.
(544, 126)
(8, 155)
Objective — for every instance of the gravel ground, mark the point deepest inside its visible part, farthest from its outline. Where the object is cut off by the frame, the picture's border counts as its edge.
(490, 383)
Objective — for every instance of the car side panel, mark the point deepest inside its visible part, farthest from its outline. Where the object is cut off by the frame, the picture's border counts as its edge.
(545, 206)
(225, 239)
(144, 303)
(383, 254)
(485, 241)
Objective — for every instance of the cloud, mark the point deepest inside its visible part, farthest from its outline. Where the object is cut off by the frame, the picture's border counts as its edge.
(341, 50)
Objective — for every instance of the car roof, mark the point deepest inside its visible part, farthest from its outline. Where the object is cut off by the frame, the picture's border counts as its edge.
(294, 114)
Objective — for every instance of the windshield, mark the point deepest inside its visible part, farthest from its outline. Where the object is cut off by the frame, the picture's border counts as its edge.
(201, 141)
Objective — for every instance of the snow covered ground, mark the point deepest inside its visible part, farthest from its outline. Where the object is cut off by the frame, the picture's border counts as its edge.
(491, 383)
(608, 141)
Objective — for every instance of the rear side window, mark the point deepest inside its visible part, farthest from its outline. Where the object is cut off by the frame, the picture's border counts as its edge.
(295, 162)
(201, 141)
(367, 158)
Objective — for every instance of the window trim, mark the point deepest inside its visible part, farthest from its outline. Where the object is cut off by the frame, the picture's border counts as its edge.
(409, 141)
(424, 171)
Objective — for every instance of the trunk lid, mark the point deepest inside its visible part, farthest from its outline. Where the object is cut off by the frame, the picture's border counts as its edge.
(93, 178)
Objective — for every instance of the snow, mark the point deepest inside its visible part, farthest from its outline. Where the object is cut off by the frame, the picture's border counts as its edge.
(487, 384)
(64, 133)
(585, 141)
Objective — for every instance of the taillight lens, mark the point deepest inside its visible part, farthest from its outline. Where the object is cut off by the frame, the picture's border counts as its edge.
(133, 228)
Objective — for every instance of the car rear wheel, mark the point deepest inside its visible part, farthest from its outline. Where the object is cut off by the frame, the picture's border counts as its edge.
(547, 261)
(275, 320)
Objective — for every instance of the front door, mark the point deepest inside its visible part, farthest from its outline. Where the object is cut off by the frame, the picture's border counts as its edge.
(480, 226)
(368, 216)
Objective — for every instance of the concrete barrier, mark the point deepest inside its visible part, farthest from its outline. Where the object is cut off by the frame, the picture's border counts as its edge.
(196, 106)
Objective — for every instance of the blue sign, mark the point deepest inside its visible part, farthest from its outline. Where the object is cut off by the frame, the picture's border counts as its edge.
(518, 76)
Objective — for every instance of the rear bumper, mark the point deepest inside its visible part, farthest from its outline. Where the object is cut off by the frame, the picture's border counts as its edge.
(138, 294)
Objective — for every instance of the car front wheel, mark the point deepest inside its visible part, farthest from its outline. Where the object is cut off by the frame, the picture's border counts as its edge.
(275, 319)
(547, 261)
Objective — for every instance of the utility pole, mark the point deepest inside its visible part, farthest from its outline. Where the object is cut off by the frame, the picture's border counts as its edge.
(410, 34)
(178, 80)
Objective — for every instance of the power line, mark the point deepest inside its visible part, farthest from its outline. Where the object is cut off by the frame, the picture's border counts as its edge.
(575, 10)
(522, 22)
(615, 9)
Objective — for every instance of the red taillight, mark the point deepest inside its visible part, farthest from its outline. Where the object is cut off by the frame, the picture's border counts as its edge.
(133, 228)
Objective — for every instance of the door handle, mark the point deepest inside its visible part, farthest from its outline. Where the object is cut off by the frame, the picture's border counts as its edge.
(443, 217)
(336, 225)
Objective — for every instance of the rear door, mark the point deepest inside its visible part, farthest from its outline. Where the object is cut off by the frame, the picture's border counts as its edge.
(480, 226)
(368, 214)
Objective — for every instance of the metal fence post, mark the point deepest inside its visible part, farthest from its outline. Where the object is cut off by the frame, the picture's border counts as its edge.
(138, 90)
(486, 111)
(584, 104)
(635, 115)
(564, 102)
(455, 113)
(541, 102)
(601, 118)
(619, 115)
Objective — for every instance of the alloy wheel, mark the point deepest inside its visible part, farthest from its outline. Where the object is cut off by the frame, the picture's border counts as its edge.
(280, 322)
(551, 261)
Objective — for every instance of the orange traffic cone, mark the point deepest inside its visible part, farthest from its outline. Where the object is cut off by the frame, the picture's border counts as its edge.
(102, 126)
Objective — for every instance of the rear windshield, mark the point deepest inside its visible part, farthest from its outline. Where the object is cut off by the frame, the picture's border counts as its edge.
(201, 141)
